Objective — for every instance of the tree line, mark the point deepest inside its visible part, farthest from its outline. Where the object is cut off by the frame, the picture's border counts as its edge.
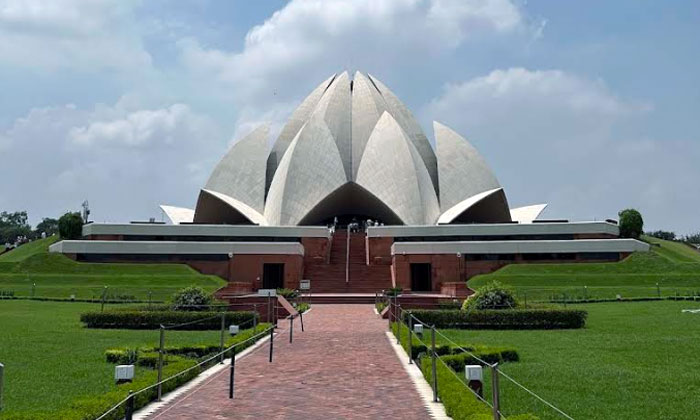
(15, 228)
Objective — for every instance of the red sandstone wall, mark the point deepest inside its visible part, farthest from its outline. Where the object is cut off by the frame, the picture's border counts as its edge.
(379, 250)
(249, 269)
(316, 250)
(594, 236)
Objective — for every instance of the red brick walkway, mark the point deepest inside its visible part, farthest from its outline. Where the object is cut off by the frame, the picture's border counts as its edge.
(341, 367)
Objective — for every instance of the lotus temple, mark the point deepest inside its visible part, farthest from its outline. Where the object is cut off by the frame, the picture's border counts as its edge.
(352, 197)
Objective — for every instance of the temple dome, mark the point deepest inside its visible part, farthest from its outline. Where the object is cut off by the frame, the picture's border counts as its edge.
(352, 149)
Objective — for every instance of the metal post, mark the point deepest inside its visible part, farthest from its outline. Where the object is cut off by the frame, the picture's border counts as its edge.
(33, 289)
(434, 359)
(495, 392)
(301, 318)
(398, 327)
(291, 328)
(255, 316)
(269, 308)
(161, 350)
(585, 292)
(129, 409)
(272, 341)
(2, 378)
(221, 343)
(104, 295)
(231, 372)
(410, 339)
(658, 290)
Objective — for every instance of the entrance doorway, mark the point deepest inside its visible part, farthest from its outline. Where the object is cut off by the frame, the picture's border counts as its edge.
(421, 277)
(273, 276)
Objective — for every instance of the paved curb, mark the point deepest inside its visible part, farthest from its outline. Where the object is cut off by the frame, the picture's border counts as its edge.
(436, 409)
(152, 407)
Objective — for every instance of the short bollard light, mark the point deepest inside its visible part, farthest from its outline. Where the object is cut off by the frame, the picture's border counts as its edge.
(418, 329)
(475, 378)
(233, 329)
(124, 373)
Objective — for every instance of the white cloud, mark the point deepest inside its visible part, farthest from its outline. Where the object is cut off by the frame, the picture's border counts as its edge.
(84, 35)
(307, 39)
(552, 136)
(123, 159)
(140, 128)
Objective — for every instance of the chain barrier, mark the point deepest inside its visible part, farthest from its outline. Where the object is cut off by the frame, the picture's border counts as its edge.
(399, 317)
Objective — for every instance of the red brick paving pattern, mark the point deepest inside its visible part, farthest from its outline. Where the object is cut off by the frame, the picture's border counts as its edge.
(341, 367)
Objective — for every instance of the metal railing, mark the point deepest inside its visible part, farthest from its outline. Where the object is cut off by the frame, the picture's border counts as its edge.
(406, 319)
(128, 403)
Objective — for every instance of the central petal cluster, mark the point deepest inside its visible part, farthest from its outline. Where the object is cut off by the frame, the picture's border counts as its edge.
(351, 148)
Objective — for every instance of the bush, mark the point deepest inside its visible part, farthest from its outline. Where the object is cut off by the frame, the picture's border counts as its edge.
(288, 293)
(394, 291)
(493, 295)
(70, 226)
(191, 299)
(509, 319)
(631, 223)
(144, 320)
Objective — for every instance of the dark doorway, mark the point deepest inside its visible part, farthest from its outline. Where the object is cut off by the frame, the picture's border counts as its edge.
(421, 277)
(273, 276)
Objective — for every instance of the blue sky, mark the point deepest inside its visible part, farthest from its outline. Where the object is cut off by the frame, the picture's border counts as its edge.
(589, 106)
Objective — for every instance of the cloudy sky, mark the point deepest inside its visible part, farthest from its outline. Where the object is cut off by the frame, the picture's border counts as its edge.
(589, 106)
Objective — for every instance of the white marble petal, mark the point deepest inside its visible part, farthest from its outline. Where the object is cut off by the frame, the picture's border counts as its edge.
(310, 171)
(392, 169)
(367, 106)
(298, 118)
(411, 127)
(241, 172)
(178, 215)
(463, 172)
(450, 214)
(527, 214)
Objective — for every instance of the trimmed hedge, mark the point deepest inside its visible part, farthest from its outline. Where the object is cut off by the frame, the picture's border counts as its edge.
(505, 319)
(487, 353)
(151, 320)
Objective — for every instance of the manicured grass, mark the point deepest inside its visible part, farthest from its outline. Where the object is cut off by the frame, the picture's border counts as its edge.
(674, 251)
(27, 250)
(636, 276)
(634, 360)
(50, 359)
(58, 276)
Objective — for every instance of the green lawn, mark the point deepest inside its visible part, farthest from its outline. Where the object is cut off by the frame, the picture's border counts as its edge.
(27, 250)
(58, 276)
(50, 359)
(674, 266)
(636, 360)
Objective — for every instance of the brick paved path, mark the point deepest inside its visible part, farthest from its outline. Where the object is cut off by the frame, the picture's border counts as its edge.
(341, 367)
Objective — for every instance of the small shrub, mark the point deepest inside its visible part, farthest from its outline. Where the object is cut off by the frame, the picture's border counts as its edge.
(288, 293)
(394, 291)
(491, 296)
(191, 299)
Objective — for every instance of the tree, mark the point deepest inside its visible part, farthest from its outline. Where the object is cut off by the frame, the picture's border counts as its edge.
(70, 226)
(13, 225)
(47, 225)
(693, 239)
(662, 234)
(631, 223)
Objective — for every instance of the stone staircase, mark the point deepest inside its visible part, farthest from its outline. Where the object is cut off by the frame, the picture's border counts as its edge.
(363, 279)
